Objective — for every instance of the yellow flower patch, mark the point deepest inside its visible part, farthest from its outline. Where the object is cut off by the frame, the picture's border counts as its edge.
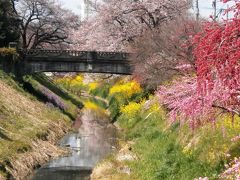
(92, 86)
(132, 109)
(127, 89)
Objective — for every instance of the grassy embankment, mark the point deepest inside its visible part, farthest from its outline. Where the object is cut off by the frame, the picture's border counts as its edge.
(150, 148)
(48, 91)
(29, 128)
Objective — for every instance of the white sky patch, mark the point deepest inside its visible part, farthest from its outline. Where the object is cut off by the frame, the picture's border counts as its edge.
(77, 6)
(206, 8)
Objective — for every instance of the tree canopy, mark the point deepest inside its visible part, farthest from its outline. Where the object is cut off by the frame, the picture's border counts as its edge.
(45, 24)
(215, 87)
(9, 23)
(118, 23)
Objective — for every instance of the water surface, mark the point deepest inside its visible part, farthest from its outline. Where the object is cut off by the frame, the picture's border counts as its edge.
(91, 143)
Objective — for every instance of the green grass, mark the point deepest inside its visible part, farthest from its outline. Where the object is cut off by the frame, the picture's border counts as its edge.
(170, 152)
(101, 91)
(160, 154)
(11, 81)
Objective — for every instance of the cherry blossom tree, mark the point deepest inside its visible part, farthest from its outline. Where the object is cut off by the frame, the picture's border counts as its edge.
(44, 23)
(153, 30)
(119, 23)
(165, 52)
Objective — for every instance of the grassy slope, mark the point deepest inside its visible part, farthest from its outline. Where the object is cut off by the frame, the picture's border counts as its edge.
(160, 155)
(71, 102)
(23, 120)
(66, 95)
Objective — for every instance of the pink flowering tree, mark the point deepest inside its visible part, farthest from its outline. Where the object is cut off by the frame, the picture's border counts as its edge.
(187, 105)
(165, 52)
(215, 88)
(119, 23)
(157, 32)
(217, 60)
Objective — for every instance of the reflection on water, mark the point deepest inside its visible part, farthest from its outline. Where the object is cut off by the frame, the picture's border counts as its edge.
(62, 174)
(94, 140)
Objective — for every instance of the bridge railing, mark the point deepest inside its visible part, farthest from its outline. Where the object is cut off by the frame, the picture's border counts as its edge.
(82, 55)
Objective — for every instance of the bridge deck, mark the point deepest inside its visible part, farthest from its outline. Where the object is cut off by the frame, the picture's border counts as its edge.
(75, 61)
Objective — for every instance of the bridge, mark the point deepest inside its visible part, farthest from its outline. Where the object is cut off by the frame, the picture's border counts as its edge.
(34, 61)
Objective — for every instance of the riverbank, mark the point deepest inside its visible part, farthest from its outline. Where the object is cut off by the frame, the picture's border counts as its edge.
(152, 147)
(29, 130)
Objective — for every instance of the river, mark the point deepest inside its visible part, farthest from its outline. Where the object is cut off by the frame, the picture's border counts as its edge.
(93, 140)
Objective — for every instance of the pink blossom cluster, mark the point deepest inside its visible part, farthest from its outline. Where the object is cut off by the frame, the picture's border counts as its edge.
(235, 139)
(187, 104)
(233, 171)
(119, 22)
(217, 56)
(216, 86)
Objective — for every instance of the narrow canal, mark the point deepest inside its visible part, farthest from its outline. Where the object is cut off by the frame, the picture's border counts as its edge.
(93, 140)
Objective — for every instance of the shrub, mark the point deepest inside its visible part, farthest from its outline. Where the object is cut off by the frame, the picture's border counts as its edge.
(8, 52)
(130, 114)
(126, 88)
(73, 84)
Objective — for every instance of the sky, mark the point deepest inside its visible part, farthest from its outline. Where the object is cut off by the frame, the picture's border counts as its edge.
(206, 7)
(77, 6)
